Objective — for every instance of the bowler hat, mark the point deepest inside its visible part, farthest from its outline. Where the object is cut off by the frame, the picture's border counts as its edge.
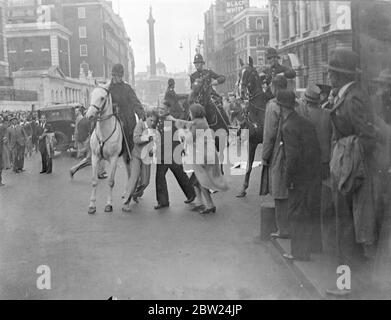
(343, 61)
(286, 99)
(312, 94)
(384, 77)
(118, 70)
(271, 53)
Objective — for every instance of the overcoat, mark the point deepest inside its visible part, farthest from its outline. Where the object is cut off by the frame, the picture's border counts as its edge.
(273, 152)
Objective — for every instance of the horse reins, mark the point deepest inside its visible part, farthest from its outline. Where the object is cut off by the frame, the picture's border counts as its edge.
(101, 119)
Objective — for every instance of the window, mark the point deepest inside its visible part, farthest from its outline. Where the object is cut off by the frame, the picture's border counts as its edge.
(81, 12)
(83, 50)
(261, 58)
(260, 24)
(82, 32)
(260, 42)
(27, 45)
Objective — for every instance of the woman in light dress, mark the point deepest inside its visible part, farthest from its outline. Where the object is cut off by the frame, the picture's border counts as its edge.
(201, 155)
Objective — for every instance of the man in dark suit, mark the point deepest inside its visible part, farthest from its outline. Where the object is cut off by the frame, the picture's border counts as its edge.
(17, 138)
(303, 171)
(352, 116)
(167, 158)
(40, 130)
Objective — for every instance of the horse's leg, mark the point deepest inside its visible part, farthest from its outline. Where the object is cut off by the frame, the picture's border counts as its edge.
(113, 169)
(94, 162)
(127, 167)
(251, 156)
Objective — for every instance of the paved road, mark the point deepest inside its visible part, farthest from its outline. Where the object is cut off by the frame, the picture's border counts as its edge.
(172, 254)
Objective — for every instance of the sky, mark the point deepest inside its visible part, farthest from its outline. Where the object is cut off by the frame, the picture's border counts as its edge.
(176, 22)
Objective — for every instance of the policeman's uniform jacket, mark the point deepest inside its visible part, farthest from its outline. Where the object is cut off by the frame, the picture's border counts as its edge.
(209, 75)
(271, 72)
(127, 104)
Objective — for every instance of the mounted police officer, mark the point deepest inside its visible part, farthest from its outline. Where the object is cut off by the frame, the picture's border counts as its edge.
(212, 79)
(127, 105)
(275, 68)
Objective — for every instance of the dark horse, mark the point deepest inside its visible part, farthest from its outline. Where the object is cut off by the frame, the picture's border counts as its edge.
(253, 116)
(201, 92)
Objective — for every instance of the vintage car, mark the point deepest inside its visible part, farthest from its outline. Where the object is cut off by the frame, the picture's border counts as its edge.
(62, 117)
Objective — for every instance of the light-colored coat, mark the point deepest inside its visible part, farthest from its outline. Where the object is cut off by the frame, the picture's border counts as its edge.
(273, 152)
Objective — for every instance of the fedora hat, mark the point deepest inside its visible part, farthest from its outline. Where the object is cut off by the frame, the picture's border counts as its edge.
(286, 99)
(312, 94)
(343, 61)
(384, 77)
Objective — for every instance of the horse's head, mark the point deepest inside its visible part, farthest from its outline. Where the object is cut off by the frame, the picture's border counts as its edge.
(99, 100)
(249, 81)
(197, 86)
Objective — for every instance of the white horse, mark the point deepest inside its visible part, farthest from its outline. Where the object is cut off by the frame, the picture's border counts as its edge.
(105, 142)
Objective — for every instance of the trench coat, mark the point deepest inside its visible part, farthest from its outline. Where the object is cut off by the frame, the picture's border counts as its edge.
(273, 153)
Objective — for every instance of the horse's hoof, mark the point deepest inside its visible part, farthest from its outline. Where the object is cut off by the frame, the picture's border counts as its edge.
(109, 208)
(126, 209)
(91, 210)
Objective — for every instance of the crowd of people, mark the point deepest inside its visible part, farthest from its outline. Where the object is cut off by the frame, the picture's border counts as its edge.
(325, 155)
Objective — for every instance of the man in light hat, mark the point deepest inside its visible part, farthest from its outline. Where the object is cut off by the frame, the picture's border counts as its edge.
(127, 104)
(310, 109)
(302, 165)
(352, 118)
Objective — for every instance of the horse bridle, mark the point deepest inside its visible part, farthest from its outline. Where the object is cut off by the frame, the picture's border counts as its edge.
(203, 88)
(101, 119)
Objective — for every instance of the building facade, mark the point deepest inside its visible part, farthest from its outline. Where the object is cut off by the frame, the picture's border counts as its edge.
(304, 32)
(4, 67)
(85, 36)
(38, 46)
(53, 87)
(214, 20)
(99, 37)
(245, 35)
